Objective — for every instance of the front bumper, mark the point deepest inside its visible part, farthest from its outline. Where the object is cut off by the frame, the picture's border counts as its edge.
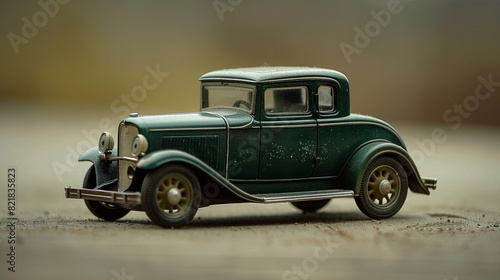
(114, 197)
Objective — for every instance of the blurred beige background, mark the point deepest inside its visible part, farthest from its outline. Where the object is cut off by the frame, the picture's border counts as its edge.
(70, 70)
(87, 54)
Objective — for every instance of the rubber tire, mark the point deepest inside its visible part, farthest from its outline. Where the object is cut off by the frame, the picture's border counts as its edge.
(105, 211)
(310, 206)
(149, 196)
(363, 200)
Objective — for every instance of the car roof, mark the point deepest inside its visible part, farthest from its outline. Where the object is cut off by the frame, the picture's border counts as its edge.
(271, 73)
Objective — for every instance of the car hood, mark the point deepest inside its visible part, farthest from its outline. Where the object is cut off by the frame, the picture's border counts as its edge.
(191, 121)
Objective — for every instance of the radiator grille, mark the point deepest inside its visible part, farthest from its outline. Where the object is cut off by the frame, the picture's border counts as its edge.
(206, 148)
(126, 134)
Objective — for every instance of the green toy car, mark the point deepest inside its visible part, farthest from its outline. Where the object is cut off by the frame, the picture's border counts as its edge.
(263, 135)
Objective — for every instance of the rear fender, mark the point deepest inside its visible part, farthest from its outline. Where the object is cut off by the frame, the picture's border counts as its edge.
(353, 172)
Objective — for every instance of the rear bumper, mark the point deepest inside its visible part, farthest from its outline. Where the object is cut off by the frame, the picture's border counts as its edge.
(430, 183)
(114, 197)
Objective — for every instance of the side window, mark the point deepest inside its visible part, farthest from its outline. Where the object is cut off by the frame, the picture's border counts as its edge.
(286, 100)
(326, 99)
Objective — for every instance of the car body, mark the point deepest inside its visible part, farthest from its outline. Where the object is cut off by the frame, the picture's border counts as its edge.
(263, 135)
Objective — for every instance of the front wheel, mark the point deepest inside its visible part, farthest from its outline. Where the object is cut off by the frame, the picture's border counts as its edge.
(171, 195)
(103, 210)
(383, 188)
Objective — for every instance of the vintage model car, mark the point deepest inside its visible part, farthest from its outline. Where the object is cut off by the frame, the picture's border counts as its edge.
(263, 135)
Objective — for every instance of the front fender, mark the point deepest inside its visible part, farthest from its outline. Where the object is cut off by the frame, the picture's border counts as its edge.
(353, 172)
(159, 158)
(106, 172)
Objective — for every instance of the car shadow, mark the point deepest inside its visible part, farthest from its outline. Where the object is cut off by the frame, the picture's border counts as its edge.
(294, 218)
(277, 220)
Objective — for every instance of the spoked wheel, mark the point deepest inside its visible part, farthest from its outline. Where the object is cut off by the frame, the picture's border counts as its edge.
(171, 196)
(103, 210)
(383, 189)
(310, 206)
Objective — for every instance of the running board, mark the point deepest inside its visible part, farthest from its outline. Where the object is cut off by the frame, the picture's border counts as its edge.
(134, 199)
(303, 196)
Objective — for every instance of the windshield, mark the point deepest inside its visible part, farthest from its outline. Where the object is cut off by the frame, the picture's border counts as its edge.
(228, 95)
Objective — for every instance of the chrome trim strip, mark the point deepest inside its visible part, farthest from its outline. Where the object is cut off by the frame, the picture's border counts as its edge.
(186, 129)
(288, 126)
(203, 128)
(289, 116)
(227, 140)
(272, 181)
(350, 122)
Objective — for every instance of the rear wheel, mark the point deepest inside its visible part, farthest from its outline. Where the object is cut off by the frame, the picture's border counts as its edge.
(310, 206)
(383, 188)
(171, 196)
(103, 210)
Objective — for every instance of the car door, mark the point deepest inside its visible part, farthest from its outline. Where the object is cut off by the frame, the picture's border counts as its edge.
(288, 132)
(334, 139)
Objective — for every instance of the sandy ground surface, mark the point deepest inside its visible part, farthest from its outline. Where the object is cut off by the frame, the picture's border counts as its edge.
(452, 234)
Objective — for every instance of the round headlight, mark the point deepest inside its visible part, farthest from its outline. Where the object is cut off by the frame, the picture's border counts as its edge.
(106, 142)
(139, 145)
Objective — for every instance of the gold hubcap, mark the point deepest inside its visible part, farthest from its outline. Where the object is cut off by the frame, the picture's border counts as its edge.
(384, 186)
(174, 195)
